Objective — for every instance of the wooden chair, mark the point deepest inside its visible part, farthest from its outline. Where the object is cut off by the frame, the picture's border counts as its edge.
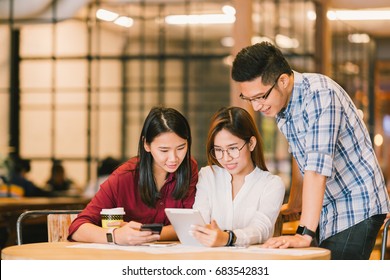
(278, 226)
(58, 222)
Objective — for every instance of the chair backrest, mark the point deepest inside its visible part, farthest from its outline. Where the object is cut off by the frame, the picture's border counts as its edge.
(278, 226)
(386, 228)
(58, 222)
(58, 225)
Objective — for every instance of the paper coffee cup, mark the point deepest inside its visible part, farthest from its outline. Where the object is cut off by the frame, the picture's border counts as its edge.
(112, 217)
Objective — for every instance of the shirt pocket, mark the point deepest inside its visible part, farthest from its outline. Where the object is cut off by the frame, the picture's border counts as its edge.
(300, 127)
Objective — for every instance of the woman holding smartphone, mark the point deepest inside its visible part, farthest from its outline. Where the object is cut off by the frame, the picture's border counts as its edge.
(162, 175)
(236, 194)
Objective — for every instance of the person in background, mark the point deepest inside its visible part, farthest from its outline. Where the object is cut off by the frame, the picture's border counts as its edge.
(59, 184)
(236, 193)
(163, 175)
(21, 167)
(343, 191)
(105, 168)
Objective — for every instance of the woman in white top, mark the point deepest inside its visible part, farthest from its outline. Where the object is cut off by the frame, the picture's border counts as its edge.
(236, 195)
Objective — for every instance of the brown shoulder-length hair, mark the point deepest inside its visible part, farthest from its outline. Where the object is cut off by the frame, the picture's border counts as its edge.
(240, 123)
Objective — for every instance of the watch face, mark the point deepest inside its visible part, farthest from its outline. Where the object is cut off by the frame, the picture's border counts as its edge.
(109, 238)
(300, 230)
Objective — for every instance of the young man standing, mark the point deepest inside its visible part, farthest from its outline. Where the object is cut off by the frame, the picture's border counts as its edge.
(343, 192)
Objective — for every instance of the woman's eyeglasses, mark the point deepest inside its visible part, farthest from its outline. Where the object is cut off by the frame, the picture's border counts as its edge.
(233, 152)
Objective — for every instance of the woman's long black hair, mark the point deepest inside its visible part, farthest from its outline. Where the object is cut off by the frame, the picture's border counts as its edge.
(161, 120)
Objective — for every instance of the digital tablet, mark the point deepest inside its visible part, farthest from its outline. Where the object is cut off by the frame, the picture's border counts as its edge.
(181, 220)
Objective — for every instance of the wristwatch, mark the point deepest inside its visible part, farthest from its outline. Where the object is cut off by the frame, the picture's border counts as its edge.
(303, 230)
(110, 236)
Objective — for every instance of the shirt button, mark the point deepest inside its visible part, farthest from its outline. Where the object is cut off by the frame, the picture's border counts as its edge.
(161, 203)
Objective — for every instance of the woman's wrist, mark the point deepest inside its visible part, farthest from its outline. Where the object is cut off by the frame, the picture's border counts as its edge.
(223, 238)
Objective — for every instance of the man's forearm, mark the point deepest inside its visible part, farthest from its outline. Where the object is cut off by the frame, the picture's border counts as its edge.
(312, 198)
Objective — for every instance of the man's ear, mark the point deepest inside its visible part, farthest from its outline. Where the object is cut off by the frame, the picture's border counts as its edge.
(252, 143)
(285, 79)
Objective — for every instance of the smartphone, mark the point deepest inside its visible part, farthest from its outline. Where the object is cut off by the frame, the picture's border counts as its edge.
(154, 228)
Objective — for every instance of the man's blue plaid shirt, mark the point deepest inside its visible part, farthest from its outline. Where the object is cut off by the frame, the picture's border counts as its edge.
(326, 135)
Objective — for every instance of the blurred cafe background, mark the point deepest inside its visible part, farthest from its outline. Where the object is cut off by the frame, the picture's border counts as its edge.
(77, 77)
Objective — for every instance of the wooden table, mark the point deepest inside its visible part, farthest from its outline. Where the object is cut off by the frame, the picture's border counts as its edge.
(8, 204)
(62, 251)
(11, 208)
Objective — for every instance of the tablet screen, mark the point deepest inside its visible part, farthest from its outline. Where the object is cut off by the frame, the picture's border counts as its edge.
(181, 220)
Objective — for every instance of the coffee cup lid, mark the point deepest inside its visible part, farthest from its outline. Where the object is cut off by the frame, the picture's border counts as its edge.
(113, 211)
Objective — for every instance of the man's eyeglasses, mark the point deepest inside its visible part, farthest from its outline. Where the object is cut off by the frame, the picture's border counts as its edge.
(262, 98)
(233, 152)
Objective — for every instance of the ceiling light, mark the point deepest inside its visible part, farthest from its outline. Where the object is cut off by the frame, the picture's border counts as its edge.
(286, 42)
(124, 21)
(106, 15)
(378, 140)
(228, 10)
(259, 39)
(359, 15)
(349, 68)
(359, 38)
(311, 15)
(227, 42)
(228, 60)
(200, 19)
